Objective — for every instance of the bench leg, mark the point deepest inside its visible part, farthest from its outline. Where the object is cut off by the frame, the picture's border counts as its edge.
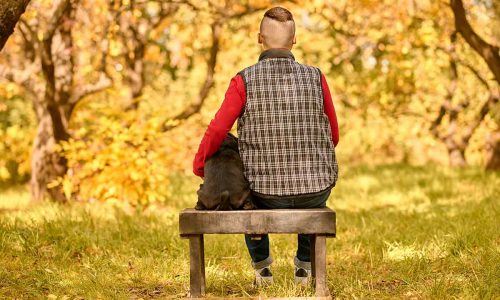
(197, 265)
(319, 266)
(313, 255)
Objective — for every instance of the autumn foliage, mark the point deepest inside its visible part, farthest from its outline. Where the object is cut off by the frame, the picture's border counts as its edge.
(134, 84)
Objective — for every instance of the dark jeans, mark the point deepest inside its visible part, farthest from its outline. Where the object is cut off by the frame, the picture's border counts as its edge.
(259, 249)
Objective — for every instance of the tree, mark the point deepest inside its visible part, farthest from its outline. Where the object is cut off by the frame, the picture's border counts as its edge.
(10, 12)
(55, 95)
(61, 88)
(137, 21)
(457, 140)
(491, 55)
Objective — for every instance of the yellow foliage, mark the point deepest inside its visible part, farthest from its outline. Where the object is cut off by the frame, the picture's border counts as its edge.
(381, 58)
(16, 133)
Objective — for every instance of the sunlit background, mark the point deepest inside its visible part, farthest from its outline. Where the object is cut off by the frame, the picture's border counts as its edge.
(103, 105)
(136, 84)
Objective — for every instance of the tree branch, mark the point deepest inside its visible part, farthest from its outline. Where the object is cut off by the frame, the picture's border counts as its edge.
(104, 80)
(475, 72)
(23, 78)
(446, 106)
(29, 37)
(209, 78)
(56, 19)
(453, 111)
(488, 52)
(493, 99)
(102, 83)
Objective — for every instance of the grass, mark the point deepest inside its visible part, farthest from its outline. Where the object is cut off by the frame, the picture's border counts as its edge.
(403, 232)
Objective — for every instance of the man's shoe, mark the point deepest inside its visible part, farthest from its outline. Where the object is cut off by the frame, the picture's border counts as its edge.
(302, 276)
(263, 277)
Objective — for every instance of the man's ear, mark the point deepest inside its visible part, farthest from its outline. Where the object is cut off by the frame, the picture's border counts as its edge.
(294, 40)
(259, 38)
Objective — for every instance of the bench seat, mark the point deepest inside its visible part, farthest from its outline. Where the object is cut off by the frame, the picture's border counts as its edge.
(260, 221)
(319, 222)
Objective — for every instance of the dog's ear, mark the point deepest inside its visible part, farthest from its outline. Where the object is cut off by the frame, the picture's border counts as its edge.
(231, 142)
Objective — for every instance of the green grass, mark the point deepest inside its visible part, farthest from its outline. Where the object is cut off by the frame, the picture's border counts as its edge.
(403, 232)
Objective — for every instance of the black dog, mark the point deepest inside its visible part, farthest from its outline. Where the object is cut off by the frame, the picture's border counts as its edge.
(225, 187)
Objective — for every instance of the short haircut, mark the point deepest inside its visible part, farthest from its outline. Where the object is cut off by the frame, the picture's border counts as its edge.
(278, 27)
(279, 14)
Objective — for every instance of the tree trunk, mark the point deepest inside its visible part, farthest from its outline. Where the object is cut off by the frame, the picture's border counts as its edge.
(493, 158)
(54, 110)
(457, 157)
(10, 12)
(46, 164)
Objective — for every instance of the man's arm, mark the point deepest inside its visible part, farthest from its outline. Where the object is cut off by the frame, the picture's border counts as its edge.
(221, 124)
(330, 110)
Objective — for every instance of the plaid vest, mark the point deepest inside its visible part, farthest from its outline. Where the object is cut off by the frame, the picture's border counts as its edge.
(284, 136)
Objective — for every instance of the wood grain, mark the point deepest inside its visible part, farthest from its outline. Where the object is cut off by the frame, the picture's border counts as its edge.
(307, 221)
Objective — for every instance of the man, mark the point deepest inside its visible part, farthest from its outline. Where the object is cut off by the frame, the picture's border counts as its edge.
(287, 130)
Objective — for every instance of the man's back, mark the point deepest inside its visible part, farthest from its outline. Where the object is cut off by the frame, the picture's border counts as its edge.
(284, 135)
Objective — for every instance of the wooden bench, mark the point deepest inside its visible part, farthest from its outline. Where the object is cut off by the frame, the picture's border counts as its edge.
(320, 222)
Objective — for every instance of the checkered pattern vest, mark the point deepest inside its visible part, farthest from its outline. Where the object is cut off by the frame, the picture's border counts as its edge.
(284, 136)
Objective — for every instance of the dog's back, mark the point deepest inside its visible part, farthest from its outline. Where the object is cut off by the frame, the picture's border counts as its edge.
(224, 186)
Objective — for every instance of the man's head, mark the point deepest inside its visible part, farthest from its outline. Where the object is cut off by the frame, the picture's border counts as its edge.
(277, 29)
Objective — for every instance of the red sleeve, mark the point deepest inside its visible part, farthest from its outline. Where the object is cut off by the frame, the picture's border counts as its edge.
(221, 124)
(330, 110)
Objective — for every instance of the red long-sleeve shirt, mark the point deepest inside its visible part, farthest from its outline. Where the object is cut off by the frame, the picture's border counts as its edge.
(230, 110)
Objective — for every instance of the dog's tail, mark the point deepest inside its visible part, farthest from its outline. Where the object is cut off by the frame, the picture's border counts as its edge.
(225, 201)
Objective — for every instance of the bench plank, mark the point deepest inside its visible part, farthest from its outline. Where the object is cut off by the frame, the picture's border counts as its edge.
(319, 221)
